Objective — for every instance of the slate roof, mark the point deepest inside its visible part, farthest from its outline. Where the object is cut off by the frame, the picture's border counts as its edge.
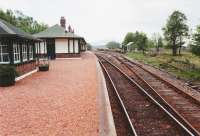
(56, 31)
(7, 29)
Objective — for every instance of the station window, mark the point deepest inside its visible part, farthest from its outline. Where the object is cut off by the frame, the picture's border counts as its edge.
(24, 53)
(16, 49)
(4, 55)
(31, 52)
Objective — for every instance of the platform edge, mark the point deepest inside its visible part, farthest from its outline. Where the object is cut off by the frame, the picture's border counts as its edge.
(107, 125)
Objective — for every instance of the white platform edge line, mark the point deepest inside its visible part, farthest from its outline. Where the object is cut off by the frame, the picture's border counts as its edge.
(25, 75)
(107, 126)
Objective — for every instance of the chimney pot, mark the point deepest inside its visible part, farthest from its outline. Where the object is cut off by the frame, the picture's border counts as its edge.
(63, 22)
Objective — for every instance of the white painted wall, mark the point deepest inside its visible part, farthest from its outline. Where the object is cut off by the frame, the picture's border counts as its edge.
(42, 47)
(76, 46)
(71, 46)
(36, 48)
(61, 45)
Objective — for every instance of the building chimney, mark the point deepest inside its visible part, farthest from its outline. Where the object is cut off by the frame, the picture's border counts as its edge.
(63, 22)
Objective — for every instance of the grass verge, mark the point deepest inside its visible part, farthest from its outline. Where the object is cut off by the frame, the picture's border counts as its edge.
(185, 66)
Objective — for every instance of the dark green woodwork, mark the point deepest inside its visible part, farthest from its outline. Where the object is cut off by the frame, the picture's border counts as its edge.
(10, 51)
(68, 46)
(51, 51)
(73, 47)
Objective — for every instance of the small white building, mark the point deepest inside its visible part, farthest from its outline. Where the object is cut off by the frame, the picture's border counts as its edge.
(61, 43)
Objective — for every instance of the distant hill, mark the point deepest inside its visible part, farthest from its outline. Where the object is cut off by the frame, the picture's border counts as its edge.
(99, 46)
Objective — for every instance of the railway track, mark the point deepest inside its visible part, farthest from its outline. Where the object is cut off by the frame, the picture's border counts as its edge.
(183, 107)
(122, 121)
(146, 116)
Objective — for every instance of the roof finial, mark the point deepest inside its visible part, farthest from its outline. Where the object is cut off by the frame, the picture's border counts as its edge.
(69, 28)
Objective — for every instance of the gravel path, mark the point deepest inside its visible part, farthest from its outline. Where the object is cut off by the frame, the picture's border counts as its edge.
(61, 102)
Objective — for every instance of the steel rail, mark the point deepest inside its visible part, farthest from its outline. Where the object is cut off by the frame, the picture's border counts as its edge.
(165, 81)
(149, 96)
(119, 98)
(162, 99)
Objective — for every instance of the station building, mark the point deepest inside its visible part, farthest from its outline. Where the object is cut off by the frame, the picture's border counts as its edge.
(62, 43)
(22, 49)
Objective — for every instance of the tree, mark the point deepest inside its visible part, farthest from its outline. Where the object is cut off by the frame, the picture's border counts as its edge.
(113, 45)
(141, 41)
(158, 41)
(138, 40)
(89, 46)
(151, 43)
(195, 46)
(175, 30)
(128, 38)
(26, 23)
(8, 16)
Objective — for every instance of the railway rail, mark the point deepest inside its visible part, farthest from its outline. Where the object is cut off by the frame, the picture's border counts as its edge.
(145, 114)
(185, 108)
(122, 121)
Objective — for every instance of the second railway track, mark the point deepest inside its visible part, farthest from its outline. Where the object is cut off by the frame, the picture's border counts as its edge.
(147, 116)
(185, 108)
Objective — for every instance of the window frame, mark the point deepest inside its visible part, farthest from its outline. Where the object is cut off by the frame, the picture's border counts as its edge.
(30, 52)
(16, 53)
(3, 53)
(24, 53)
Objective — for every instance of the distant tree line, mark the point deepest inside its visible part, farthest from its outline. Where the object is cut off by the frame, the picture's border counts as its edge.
(26, 23)
(113, 45)
(176, 33)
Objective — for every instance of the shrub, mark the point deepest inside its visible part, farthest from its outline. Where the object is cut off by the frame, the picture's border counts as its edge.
(7, 75)
(44, 67)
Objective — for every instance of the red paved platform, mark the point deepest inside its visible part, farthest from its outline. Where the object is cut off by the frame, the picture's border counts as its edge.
(60, 102)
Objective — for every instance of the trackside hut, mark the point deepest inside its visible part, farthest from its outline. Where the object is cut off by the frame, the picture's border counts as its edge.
(62, 43)
(17, 48)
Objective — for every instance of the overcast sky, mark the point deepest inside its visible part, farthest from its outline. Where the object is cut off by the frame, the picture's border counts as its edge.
(100, 21)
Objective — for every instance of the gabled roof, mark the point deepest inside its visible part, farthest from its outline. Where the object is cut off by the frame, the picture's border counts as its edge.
(56, 31)
(10, 30)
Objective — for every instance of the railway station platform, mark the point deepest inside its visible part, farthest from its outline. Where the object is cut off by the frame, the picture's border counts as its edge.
(70, 99)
